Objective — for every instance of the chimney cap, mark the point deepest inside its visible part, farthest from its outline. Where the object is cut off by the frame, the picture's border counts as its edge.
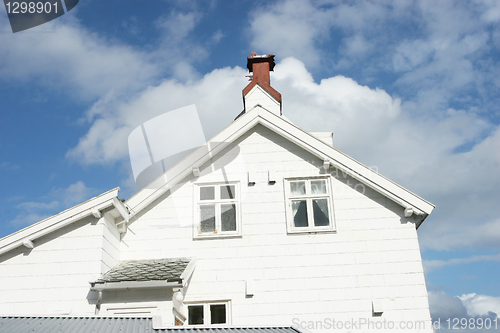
(255, 58)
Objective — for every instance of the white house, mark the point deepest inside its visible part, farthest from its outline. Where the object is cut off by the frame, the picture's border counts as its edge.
(265, 225)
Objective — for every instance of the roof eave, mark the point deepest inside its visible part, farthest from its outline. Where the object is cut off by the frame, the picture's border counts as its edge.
(95, 286)
(27, 235)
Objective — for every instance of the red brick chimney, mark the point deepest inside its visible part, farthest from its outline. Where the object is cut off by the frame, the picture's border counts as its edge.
(260, 66)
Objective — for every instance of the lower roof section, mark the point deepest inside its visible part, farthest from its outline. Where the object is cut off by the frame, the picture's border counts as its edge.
(115, 324)
(167, 272)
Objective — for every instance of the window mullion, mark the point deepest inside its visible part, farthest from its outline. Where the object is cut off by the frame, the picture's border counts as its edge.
(217, 213)
(206, 314)
(217, 218)
(310, 215)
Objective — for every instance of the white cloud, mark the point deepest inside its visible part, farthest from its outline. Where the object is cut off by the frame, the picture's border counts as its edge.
(217, 97)
(410, 54)
(435, 50)
(217, 36)
(73, 194)
(25, 219)
(449, 313)
(63, 54)
(430, 265)
(30, 206)
(289, 28)
(300, 29)
(479, 305)
(57, 200)
(444, 306)
(355, 113)
(9, 166)
(355, 46)
(178, 50)
(66, 56)
(492, 12)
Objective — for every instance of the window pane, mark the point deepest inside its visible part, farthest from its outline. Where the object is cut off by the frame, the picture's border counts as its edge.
(227, 192)
(195, 314)
(320, 210)
(207, 193)
(228, 217)
(298, 188)
(299, 210)
(318, 186)
(207, 218)
(218, 313)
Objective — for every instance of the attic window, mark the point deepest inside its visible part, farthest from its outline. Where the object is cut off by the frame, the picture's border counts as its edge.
(309, 205)
(217, 210)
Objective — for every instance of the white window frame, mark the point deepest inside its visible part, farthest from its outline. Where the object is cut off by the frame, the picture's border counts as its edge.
(308, 197)
(206, 313)
(217, 201)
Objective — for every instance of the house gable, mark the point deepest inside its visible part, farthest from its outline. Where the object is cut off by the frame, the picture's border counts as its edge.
(331, 157)
(268, 275)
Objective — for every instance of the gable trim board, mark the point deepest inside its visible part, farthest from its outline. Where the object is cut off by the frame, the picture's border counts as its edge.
(256, 92)
(26, 236)
(278, 124)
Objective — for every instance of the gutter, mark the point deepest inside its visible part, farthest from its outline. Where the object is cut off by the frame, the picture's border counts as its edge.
(134, 285)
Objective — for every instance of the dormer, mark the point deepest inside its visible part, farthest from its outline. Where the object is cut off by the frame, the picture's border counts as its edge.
(259, 90)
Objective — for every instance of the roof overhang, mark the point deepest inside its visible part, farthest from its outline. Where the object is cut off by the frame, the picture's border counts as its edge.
(94, 206)
(134, 285)
(173, 282)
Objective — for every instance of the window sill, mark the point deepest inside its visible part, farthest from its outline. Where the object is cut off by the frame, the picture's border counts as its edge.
(216, 236)
(311, 231)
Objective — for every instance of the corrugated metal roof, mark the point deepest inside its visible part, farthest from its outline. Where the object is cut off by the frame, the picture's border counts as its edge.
(228, 330)
(169, 269)
(75, 325)
(114, 325)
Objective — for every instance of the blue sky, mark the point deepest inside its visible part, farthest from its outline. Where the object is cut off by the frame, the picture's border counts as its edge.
(411, 88)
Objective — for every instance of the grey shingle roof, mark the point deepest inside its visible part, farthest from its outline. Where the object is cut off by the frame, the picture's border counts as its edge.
(169, 270)
(116, 324)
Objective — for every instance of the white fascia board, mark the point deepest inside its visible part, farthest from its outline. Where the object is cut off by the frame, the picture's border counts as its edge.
(120, 207)
(58, 221)
(345, 163)
(278, 124)
(263, 91)
(134, 285)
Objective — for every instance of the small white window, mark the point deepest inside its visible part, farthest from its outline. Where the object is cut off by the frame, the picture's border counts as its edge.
(217, 210)
(208, 313)
(309, 205)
